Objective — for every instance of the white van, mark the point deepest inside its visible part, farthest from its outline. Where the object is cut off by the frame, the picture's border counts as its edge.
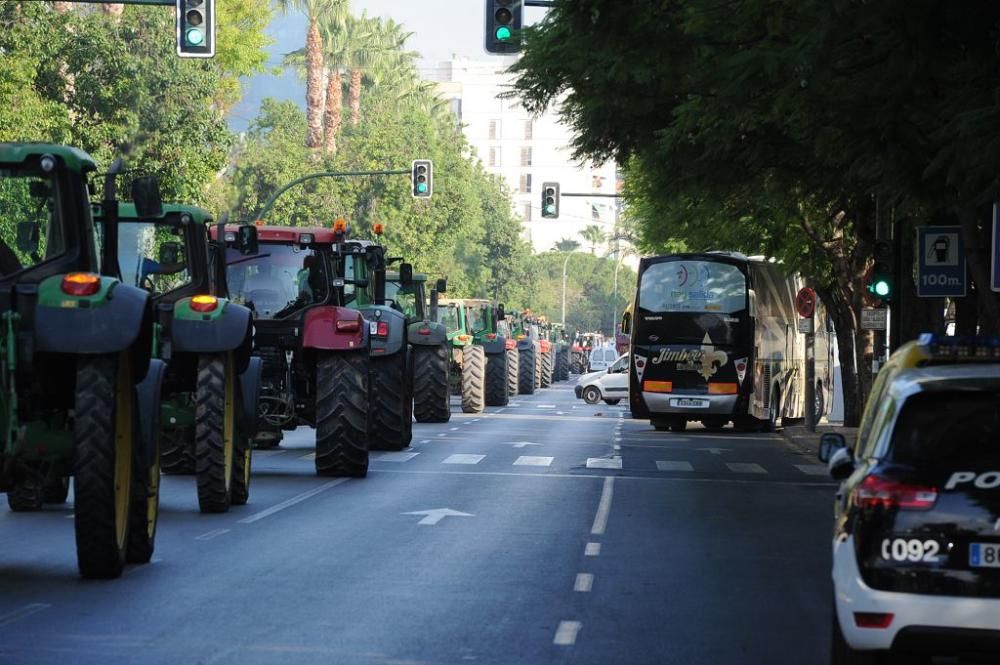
(601, 358)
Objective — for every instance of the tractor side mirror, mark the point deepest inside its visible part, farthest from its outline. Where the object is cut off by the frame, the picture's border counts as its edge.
(500, 312)
(170, 253)
(441, 286)
(405, 273)
(27, 237)
(247, 240)
(146, 196)
(626, 323)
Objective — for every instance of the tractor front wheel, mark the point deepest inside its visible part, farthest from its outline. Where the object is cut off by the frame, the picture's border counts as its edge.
(473, 379)
(105, 428)
(215, 432)
(390, 404)
(342, 414)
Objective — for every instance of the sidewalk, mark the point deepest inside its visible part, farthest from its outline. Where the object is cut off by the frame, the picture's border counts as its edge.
(808, 442)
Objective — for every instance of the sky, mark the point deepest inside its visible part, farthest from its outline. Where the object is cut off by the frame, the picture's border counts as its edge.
(441, 28)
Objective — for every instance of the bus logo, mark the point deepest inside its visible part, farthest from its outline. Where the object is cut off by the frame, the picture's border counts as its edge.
(706, 361)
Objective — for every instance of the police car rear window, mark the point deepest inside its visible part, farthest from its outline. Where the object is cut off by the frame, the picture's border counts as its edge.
(947, 429)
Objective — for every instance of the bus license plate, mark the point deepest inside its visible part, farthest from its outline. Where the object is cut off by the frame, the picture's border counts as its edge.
(984, 555)
(690, 403)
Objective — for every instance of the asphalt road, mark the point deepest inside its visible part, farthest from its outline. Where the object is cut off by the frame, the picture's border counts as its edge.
(580, 537)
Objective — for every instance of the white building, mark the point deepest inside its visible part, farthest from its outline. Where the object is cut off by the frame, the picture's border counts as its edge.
(527, 152)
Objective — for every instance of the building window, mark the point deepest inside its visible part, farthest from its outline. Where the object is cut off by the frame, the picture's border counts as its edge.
(528, 128)
(526, 212)
(494, 130)
(495, 155)
(526, 183)
(526, 156)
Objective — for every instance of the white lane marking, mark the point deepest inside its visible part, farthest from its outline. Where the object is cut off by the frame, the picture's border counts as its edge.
(214, 533)
(309, 456)
(812, 469)
(715, 451)
(463, 459)
(530, 460)
(71, 516)
(555, 475)
(545, 406)
(616, 448)
(393, 456)
(426, 441)
(673, 466)
(22, 612)
(434, 516)
(474, 420)
(615, 462)
(745, 467)
(440, 435)
(584, 582)
(288, 503)
(566, 633)
(560, 413)
(592, 549)
(453, 429)
(604, 507)
(520, 444)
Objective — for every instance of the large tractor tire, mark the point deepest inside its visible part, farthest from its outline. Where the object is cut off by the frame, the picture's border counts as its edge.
(25, 496)
(473, 379)
(215, 423)
(526, 372)
(177, 452)
(391, 404)
(431, 394)
(562, 365)
(342, 414)
(105, 429)
(144, 513)
(547, 367)
(496, 380)
(241, 472)
(513, 360)
(539, 364)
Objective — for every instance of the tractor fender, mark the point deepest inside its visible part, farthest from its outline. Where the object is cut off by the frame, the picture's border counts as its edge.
(385, 346)
(250, 392)
(226, 329)
(427, 333)
(117, 318)
(525, 344)
(148, 393)
(496, 346)
(320, 330)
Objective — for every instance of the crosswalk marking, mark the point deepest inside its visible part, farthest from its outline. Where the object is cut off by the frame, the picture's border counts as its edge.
(812, 469)
(386, 456)
(674, 466)
(604, 462)
(532, 460)
(745, 467)
(463, 459)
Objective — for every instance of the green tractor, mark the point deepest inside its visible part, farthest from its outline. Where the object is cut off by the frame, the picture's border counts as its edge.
(80, 387)
(484, 318)
(208, 402)
(560, 343)
(429, 344)
(479, 358)
(532, 350)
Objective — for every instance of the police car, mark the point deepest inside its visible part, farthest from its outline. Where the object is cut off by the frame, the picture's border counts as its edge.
(916, 542)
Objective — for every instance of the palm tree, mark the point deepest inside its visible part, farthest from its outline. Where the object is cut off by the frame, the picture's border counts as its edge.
(566, 245)
(313, 9)
(379, 51)
(593, 234)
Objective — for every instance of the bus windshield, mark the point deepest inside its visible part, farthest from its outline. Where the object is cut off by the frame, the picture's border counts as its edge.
(693, 286)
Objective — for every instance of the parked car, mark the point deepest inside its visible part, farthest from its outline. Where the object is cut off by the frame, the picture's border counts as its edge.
(610, 385)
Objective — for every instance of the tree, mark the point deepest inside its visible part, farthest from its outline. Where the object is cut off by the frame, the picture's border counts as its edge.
(593, 234)
(566, 245)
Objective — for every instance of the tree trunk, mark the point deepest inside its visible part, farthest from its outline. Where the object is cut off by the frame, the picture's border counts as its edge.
(314, 85)
(332, 115)
(977, 250)
(355, 96)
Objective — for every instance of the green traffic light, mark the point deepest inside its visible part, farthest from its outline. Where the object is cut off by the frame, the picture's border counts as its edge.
(194, 36)
(881, 288)
(503, 33)
(422, 188)
(550, 209)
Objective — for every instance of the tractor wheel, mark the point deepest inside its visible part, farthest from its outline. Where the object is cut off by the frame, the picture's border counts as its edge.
(215, 432)
(145, 509)
(104, 429)
(513, 360)
(390, 404)
(25, 496)
(546, 379)
(526, 371)
(496, 380)
(473, 379)
(342, 414)
(56, 490)
(539, 364)
(241, 473)
(431, 394)
(562, 362)
(177, 454)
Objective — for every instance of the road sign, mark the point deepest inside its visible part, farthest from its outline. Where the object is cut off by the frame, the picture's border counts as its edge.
(995, 263)
(874, 318)
(807, 325)
(805, 302)
(940, 262)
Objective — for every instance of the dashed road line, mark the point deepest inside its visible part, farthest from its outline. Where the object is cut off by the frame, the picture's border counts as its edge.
(392, 456)
(592, 549)
(604, 507)
(22, 612)
(566, 633)
(288, 503)
(214, 533)
(533, 460)
(584, 582)
(745, 467)
(666, 465)
(463, 459)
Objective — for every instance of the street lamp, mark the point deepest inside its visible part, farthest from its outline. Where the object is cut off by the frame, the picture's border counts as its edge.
(565, 263)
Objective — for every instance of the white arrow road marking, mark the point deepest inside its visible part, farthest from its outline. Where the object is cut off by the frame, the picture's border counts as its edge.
(520, 444)
(715, 451)
(464, 459)
(436, 515)
(20, 613)
(566, 633)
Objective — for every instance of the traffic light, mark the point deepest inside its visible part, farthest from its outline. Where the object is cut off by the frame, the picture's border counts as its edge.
(503, 23)
(882, 282)
(195, 28)
(423, 178)
(550, 200)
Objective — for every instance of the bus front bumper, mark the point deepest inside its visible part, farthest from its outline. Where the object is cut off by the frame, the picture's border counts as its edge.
(693, 406)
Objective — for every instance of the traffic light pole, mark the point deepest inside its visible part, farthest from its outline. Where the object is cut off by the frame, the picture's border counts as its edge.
(327, 174)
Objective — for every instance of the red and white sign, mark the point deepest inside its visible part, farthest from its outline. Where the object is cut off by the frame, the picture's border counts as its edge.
(805, 302)
(741, 369)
